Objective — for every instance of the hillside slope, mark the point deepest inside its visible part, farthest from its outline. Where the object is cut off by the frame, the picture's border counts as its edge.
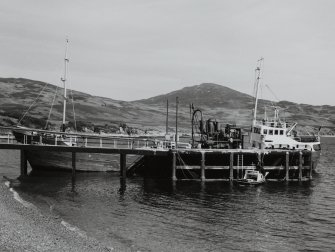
(216, 101)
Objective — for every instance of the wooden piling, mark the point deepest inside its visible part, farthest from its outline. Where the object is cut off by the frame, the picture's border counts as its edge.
(203, 177)
(287, 166)
(24, 164)
(174, 160)
(123, 165)
(231, 167)
(300, 166)
(73, 165)
(310, 166)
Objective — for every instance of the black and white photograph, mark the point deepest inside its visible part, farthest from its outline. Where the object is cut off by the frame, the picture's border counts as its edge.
(176, 125)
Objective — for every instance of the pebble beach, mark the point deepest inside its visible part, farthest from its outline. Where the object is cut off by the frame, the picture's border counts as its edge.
(24, 227)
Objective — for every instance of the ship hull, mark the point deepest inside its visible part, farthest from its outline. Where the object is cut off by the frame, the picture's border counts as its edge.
(93, 162)
(52, 160)
(96, 162)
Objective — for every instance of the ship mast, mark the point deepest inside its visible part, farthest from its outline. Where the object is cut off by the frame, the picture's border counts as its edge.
(63, 79)
(257, 82)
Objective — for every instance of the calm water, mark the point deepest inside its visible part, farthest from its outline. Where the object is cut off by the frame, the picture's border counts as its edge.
(157, 215)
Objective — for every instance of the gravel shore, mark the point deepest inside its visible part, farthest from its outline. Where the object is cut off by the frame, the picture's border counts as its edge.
(23, 227)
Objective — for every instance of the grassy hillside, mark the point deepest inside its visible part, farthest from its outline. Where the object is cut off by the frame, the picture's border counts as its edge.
(95, 113)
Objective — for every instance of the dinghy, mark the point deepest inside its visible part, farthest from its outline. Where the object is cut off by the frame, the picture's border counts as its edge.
(252, 177)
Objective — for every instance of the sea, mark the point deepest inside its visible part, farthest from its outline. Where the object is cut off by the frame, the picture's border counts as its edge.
(161, 215)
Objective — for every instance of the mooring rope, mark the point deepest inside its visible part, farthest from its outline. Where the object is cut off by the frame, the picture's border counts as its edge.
(184, 165)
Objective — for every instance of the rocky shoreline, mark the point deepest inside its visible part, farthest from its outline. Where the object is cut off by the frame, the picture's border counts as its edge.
(24, 227)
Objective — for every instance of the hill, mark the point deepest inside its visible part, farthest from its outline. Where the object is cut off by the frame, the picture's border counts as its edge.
(100, 113)
(206, 94)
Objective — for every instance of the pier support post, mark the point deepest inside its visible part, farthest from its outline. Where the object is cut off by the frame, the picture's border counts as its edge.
(311, 166)
(174, 160)
(123, 165)
(287, 166)
(203, 166)
(231, 167)
(24, 165)
(73, 165)
(300, 166)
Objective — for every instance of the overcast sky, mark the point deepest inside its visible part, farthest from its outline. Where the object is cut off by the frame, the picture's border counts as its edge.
(133, 49)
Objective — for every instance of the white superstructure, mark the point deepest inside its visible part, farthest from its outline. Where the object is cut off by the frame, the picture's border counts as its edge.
(275, 133)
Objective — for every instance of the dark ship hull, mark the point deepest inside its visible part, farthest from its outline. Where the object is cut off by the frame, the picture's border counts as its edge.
(52, 160)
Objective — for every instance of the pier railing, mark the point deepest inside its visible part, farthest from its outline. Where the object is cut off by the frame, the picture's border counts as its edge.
(43, 137)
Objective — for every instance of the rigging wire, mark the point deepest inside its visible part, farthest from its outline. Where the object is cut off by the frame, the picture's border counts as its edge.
(274, 95)
(25, 113)
(52, 104)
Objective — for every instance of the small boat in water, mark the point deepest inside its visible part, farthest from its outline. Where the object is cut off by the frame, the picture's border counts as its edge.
(252, 177)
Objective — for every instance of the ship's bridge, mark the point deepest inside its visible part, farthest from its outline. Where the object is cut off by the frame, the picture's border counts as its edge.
(277, 135)
(270, 128)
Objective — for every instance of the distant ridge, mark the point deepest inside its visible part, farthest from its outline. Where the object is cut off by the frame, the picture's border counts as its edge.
(216, 101)
(205, 94)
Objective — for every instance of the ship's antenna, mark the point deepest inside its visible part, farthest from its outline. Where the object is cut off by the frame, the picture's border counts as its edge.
(63, 79)
(257, 82)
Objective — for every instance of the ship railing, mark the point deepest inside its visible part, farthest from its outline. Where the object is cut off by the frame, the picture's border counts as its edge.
(306, 139)
(7, 138)
(43, 137)
(104, 141)
(273, 124)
